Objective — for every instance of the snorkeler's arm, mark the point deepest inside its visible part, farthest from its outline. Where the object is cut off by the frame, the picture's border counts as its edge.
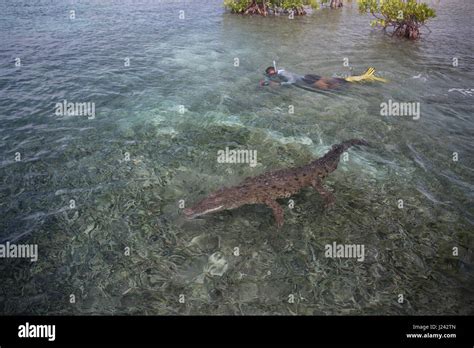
(274, 83)
(270, 83)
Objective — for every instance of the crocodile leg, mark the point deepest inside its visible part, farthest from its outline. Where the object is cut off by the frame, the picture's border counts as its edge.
(328, 197)
(277, 211)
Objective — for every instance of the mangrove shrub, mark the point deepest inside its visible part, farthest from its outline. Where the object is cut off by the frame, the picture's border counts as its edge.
(265, 7)
(403, 17)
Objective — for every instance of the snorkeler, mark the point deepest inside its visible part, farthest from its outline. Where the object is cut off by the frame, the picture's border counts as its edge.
(282, 77)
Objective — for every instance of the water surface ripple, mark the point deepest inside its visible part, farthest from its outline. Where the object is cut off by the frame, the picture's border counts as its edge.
(188, 65)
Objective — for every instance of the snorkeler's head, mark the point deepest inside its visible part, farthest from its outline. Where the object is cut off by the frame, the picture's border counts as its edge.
(270, 71)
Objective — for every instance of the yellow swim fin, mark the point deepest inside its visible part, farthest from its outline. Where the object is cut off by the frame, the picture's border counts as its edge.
(369, 75)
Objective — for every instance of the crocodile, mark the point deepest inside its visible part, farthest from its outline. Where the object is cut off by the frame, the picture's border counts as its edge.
(267, 187)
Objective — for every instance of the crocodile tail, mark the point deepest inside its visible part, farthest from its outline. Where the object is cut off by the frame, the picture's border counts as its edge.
(369, 75)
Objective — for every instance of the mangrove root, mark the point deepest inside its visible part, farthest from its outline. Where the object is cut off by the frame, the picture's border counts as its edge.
(335, 4)
(262, 9)
(255, 8)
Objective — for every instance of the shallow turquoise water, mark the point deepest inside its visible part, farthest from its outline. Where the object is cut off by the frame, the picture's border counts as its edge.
(188, 64)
